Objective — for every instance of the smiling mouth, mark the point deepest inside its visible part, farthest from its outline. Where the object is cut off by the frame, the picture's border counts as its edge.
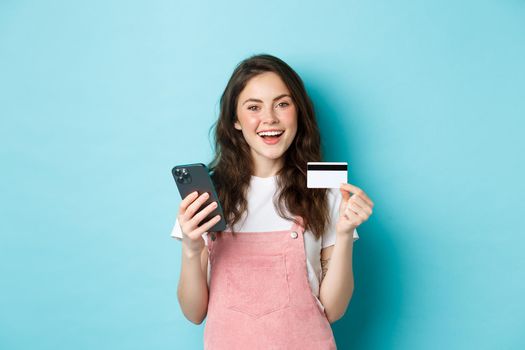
(271, 137)
(275, 134)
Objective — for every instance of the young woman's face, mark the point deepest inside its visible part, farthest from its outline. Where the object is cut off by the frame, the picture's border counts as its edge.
(267, 117)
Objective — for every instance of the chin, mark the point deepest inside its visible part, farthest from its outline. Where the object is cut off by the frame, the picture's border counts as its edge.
(272, 155)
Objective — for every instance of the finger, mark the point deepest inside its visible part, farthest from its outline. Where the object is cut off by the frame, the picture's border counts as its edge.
(197, 218)
(345, 196)
(358, 191)
(208, 224)
(364, 205)
(191, 231)
(353, 201)
(344, 206)
(347, 210)
(187, 201)
(352, 207)
(355, 210)
(351, 216)
(193, 207)
(356, 216)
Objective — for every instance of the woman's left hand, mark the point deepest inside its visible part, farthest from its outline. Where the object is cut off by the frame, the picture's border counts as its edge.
(354, 210)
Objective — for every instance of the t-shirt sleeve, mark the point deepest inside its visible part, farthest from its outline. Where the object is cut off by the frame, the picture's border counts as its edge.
(334, 200)
(176, 232)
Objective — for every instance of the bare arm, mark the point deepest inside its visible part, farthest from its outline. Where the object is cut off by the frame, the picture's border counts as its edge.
(337, 284)
(193, 287)
(192, 290)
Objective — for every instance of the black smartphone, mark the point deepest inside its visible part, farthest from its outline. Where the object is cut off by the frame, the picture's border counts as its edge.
(196, 177)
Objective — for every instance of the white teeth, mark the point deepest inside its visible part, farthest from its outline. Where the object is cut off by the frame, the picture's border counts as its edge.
(270, 133)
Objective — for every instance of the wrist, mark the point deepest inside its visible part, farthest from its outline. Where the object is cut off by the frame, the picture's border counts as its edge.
(344, 237)
(191, 250)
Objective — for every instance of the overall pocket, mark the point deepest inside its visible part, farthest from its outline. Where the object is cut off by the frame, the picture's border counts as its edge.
(257, 285)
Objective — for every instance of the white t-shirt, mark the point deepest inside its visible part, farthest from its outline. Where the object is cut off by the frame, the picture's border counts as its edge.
(260, 203)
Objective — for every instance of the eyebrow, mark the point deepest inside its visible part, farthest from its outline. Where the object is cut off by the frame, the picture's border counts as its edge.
(257, 100)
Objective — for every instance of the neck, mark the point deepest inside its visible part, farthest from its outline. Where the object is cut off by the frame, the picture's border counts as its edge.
(264, 167)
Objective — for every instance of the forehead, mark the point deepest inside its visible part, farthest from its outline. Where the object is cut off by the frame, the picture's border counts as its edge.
(264, 85)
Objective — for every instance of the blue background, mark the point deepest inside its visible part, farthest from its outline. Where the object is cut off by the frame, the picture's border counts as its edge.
(98, 100)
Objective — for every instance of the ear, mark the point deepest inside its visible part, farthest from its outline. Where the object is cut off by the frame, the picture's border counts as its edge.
(237, 126)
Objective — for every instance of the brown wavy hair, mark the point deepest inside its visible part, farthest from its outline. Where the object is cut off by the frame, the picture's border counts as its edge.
(232, 167)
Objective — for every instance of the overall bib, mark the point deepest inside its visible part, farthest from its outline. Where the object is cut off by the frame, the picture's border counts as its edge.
(259, 296)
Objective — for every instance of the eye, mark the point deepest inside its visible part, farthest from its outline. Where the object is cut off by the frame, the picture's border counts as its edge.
(283, 104)
(253, 108)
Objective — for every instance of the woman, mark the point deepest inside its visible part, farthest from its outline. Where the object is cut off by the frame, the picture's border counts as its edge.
(265, 282)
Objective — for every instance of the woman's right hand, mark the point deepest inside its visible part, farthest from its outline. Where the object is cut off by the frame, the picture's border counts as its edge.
(189, 220)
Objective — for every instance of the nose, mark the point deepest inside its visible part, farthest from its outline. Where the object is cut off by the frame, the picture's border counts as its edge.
(269, 117)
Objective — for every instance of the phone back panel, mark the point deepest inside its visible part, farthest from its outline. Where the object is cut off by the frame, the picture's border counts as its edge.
(195, 177)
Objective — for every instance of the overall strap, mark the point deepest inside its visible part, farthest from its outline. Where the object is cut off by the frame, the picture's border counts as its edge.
(298, 224)
(210, 239)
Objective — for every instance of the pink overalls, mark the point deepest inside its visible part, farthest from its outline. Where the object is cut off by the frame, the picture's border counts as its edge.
(259, 295)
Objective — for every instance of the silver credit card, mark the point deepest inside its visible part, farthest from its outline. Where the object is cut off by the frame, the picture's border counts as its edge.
(326, 174)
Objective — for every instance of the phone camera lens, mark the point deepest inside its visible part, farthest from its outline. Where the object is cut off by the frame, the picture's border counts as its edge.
(182, 176)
